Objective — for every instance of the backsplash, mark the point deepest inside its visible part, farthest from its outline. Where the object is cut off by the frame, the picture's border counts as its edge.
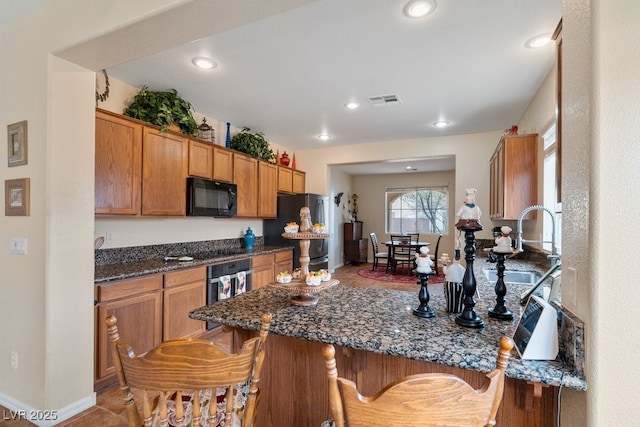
(143, 253)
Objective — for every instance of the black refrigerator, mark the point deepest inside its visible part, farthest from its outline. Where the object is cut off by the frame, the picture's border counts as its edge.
(288, 211)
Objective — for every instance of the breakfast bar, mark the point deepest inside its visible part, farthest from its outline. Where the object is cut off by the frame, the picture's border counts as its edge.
(378, 340)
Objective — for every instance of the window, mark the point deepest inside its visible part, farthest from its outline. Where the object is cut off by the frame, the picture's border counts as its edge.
(550, 190)
(417, 210)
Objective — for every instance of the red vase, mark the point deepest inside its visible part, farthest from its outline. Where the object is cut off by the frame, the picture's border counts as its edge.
(284, 159)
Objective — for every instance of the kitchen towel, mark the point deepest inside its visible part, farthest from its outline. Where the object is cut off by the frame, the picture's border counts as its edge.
(224, 287)
(241, 283)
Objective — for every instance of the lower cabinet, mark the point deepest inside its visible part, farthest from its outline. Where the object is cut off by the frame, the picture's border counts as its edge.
(184, 290)
(355, 251)
(265, 268)
(149, 309)
(137, 304)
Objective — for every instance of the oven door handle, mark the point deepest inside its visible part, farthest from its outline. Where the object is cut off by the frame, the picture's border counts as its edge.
(216, 279)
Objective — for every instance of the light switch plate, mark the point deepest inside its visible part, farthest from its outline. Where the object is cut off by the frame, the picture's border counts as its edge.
(18, 245)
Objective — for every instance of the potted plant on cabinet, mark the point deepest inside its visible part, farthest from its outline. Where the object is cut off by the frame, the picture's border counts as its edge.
(253, 144)
(164, 109)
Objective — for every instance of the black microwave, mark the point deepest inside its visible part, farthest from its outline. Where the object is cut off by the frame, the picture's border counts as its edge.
(211, 198)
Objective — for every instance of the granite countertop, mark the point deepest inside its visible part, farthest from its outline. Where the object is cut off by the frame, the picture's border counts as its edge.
(382, 321)
(126, 270)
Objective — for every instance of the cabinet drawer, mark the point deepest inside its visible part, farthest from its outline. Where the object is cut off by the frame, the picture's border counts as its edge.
(261, 260)
(283, 256)
(176, 278)
(128, 287)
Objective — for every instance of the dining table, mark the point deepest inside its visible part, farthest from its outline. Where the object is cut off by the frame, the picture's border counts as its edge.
(392, 244)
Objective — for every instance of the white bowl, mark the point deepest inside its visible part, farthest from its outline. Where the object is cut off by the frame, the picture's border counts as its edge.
(313, 280)
(325, 276)
(319, 230)
(291, 228)
(284, 279)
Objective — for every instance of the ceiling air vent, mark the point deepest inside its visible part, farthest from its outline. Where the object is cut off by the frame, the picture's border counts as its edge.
(384, 100)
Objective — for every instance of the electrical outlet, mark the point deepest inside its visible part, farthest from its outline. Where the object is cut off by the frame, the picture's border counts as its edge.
(108, 237)
(14, 360)
(569, 285)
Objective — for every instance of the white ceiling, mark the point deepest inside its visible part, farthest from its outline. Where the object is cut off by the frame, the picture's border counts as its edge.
(288, 73)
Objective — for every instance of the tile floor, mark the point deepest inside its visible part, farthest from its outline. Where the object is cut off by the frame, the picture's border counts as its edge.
(109, 409)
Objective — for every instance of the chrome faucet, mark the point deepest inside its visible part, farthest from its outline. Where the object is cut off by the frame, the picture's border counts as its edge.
(554, 256)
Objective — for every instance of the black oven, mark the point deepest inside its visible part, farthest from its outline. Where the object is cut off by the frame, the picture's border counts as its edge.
(227, 280)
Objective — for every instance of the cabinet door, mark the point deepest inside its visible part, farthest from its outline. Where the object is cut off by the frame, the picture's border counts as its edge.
(514, 176)
(184, 291)
(262, 267)
(139, 325)
(118, 165)
(164, 173)
(222, 164)
(267, 190)
(283, 262)
(245, 176)
(285, 180)
(298, 182)
(200, 159)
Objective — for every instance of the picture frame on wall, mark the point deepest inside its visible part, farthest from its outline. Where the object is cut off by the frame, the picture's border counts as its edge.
(17, 143)
(16, 197)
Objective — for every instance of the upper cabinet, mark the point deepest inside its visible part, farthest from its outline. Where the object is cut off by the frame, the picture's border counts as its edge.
(267, 189)
(513, 176)
(164, 173)
(142, 171)
(118, 162)
(245, 176)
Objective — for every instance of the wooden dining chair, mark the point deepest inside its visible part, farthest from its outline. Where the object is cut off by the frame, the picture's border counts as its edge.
(420, 400)
(402, 255)
(189, 381)
(377, 255)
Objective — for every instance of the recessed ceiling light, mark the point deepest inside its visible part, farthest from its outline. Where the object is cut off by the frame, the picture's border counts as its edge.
(324, 136)
(441, 124)
(352, 105)
(538, 41)
(205, 63)
(419, 8)
(410, 169)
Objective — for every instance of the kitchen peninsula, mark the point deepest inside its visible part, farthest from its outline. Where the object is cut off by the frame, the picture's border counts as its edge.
(378, 340)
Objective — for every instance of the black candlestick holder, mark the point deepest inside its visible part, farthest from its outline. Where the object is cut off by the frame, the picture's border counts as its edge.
(469, 318)
(499, 311)
(423, 309)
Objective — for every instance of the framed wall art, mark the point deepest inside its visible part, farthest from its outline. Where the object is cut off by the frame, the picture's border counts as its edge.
(16, 197)
(17, 143)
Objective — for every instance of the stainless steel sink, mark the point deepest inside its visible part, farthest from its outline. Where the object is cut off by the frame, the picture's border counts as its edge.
(513, 276)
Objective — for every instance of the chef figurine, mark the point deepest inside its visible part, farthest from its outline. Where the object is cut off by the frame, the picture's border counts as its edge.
(423, 261)
(468, 215)
(503, 242)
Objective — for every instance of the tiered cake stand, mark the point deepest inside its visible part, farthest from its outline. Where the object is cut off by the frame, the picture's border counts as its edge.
(306, 293)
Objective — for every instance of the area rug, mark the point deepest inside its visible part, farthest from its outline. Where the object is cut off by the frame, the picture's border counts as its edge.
(402, 277)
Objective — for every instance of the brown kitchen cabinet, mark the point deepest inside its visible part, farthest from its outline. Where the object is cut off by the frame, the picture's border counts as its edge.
(200, 159)
(164, 173)
(267, 189)
(222, 164)
(355, 247)
(262, 270)
(183, 291)
(285, 180)
(118, 162)
(245, 176)
(265, 267)
(283, 262)
(513, 176)
(298, 182)
(137, 304)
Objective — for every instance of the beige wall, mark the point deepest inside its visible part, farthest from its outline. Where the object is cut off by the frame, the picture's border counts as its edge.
(372, 208)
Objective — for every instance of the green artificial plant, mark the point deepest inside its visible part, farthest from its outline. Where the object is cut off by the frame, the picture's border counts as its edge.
(254, 144)
(164, 109)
